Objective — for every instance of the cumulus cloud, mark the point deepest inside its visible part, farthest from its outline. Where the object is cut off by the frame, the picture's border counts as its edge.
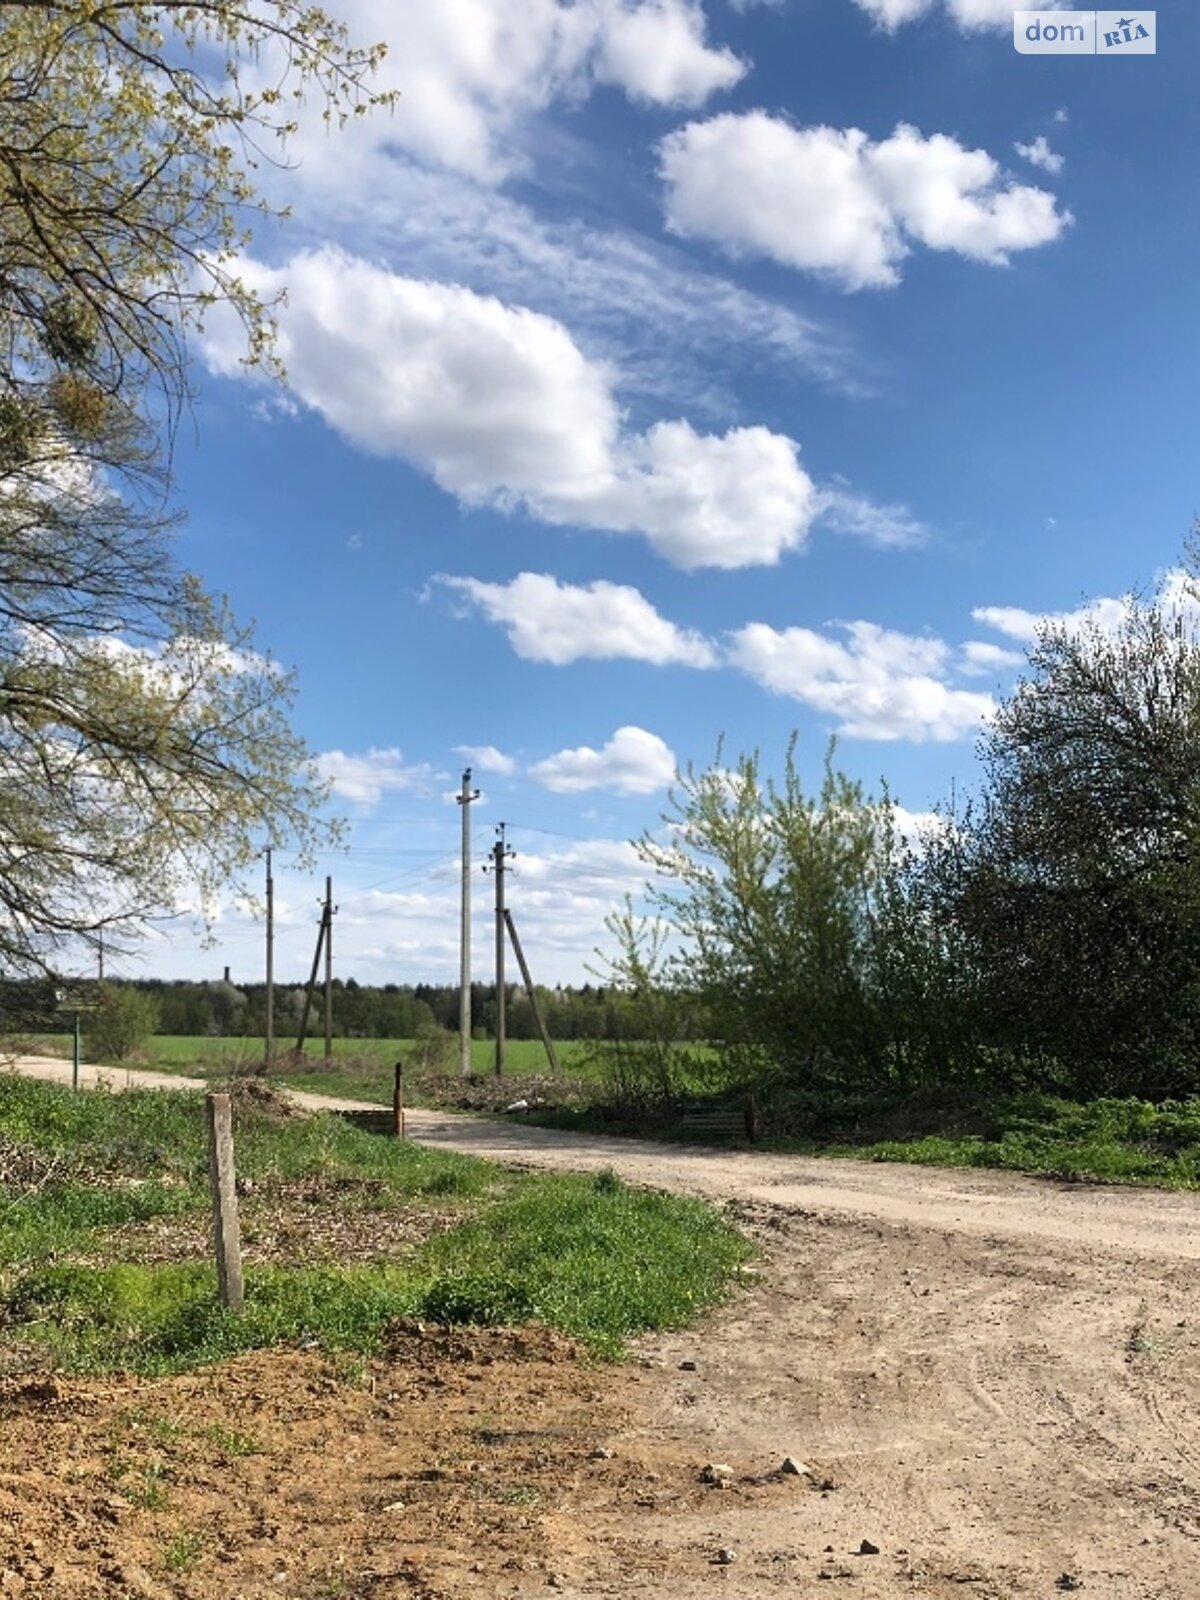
(838, 204)
(1039, 154)
(978, 658)
(486, 758)
(365, 779)
(563, 622)
(969, 15)
(471, 73)
(657, 52)
(877, 684)
(502, 408)
(1176, 595)
(632, 762)
(1017, 623)
(893, 13)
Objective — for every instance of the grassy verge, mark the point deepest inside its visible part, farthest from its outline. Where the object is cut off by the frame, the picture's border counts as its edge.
(1126, 1141)
(1104, 1140)
(459, 1240)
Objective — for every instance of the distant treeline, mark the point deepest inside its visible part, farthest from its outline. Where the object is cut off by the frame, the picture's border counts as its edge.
(221, 1009)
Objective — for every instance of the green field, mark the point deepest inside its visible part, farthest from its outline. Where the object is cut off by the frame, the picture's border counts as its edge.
(361, 1069)
(193, 1052)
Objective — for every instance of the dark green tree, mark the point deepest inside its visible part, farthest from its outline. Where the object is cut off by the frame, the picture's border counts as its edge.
(1072, 885)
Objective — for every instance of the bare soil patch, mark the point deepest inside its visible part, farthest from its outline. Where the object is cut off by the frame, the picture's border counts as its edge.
(432, 1472)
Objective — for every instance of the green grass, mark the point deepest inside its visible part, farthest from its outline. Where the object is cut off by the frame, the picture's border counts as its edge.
(1105, 1140)
(586, 1255)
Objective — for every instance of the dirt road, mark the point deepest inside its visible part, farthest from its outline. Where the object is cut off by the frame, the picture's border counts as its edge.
(1001, 1376)
(994, 1382)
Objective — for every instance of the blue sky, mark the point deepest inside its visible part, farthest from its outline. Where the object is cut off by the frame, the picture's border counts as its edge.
(662, 370)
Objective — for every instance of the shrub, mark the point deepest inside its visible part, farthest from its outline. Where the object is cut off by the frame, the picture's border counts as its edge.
(123, 1020)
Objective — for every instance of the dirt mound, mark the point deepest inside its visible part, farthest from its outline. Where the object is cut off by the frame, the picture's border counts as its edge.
(484, 1092)
(254, 1095)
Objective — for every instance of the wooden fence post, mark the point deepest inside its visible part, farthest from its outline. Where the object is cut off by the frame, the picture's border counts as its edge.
(224, 1198)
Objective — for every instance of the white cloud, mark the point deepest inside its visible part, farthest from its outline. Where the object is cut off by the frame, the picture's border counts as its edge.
(605, 867)
(632, 762)
(836, 203)
(657, 52)
(471, 74)
(1017, 623)
(1061, 115)
(502, 408)
(364, 780)
(969, 15)
(892, 14)
(667, 316)
(706, 500)
(878, 685)
(1176, 594)
(486, 758)
(892, 527)
(563, 622)
(979, 658)
(915, 826)
(1039, 154)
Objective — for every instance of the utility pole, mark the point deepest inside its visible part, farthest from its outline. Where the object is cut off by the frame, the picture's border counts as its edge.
(500, 855)
(330, 912)
(269, 1055)
(464, 964)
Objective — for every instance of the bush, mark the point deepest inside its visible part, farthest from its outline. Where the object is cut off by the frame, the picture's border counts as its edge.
(123, 1020)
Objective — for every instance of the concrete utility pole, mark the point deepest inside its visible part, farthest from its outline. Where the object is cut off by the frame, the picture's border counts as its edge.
(464, 965)
(500, 855)
(269, 1052)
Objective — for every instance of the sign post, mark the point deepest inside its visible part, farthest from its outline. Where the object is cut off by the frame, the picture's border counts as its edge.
(73, 1004)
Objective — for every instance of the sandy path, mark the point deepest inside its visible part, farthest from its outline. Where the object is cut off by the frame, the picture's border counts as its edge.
(999, 1376)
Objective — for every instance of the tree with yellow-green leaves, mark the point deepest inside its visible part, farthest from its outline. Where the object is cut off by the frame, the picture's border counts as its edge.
(145, 748)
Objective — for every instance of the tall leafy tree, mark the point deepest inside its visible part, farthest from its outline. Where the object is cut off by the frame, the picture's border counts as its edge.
(145, 747)
(1073, 883)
